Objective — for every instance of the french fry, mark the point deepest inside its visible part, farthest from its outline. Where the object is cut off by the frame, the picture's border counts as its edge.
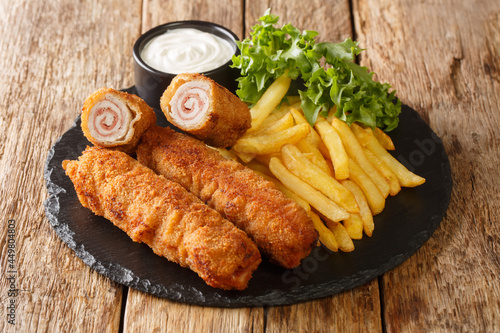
(317, 158)
(271, 142)
(335, 147)
(287, 107)
(289, 193)
(354, 226)
(269, 101)
(293, 101)
(313, 136)
(276, 114)
(338, 173)
(300, 119)
(294, 196)
(315, 198)
(364, 210)
(245, 157)
(307, 171)
(326, 153)
(375, 199)
(361, 134)
(276, 125)
(384, 139)
(326, 236)
(385, 171)
(341, 236)
(259, 167)
(330, 166)
(229, 155)
(406, 178)
(331, 114)
(264, 159)
(355, 151)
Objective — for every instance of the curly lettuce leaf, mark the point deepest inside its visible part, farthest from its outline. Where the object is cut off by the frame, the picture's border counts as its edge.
(340, 82)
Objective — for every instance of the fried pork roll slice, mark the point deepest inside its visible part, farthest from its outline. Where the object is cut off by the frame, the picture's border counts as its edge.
(115, 119)
(281, 229)
(198, 105)
(163, 215)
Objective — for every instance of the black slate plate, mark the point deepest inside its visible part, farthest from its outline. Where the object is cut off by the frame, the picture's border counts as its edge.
(408, 220)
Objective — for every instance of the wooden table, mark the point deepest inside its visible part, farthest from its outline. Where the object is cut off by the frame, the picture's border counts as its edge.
(443, 57)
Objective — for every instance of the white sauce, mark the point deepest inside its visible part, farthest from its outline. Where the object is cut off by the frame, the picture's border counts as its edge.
(187, 50)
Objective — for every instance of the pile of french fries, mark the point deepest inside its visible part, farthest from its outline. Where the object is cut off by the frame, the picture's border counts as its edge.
(340, 174)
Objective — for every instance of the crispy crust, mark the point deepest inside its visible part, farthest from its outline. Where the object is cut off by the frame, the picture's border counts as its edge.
(144, 116)
(281, 229)
(163, 215)
(226, 120)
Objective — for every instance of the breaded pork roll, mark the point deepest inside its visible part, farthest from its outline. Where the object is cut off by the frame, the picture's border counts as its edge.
(115, 119)
(198, 105)
(281, 229)
(163, 215)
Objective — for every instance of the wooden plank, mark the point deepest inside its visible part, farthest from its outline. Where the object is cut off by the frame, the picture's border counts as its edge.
(148, 313)
(357, 310)
(442, 57)
(178, 317)
(53, 55)
(331, 18)
(225, 12)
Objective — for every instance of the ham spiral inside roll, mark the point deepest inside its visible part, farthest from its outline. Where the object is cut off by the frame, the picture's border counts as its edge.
(198, 105)
(110, 120)
(115, 119)
(190, 103)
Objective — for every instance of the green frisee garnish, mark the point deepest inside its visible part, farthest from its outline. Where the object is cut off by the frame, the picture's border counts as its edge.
(340, 82)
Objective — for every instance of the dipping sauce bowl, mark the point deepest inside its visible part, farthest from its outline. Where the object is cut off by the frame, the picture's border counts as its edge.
(151, 82)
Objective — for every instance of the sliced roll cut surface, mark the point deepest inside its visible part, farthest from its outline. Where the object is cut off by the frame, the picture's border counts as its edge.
(199, 106)
(115, 119)
(109, 120)
(190, 103)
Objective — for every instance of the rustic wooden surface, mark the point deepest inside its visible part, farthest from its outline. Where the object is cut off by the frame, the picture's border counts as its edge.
(443, 58)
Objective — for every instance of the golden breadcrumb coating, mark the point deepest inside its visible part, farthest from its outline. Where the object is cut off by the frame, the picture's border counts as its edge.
(162, 214)
(281, 229)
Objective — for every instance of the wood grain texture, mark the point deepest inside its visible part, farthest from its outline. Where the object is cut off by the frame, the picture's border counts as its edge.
(228, 13)
(152, 314)
(357, 310)
(55, 54)
(331, 18)
(442, 57)
(353, 311)
(171, 316)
